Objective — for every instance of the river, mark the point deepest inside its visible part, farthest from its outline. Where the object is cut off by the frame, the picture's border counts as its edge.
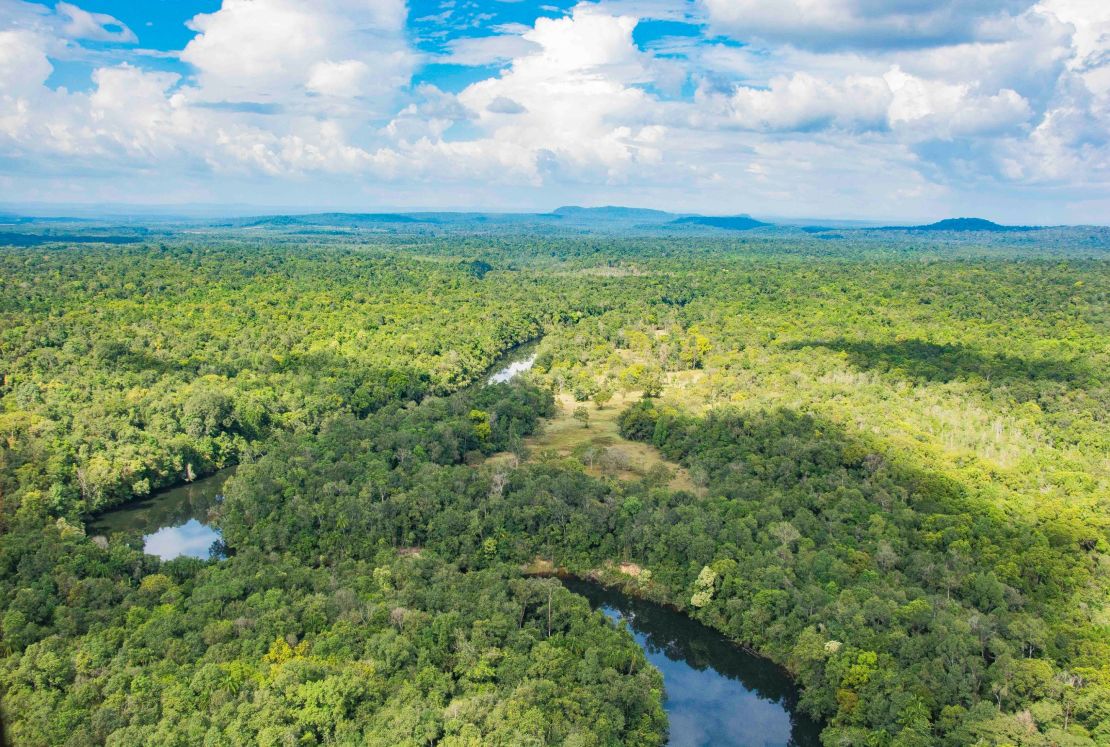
(512, 363)
(717, 694)
(175, 522)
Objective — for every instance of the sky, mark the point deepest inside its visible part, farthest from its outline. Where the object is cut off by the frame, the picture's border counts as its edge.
(852, 109)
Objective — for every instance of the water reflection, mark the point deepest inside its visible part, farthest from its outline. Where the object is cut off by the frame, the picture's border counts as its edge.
(173, 522)
(516, 361)
(717, 693)
(191, 538)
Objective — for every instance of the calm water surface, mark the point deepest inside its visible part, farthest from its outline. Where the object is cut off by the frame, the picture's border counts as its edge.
(516, 361)
(173, 522)
(717, 693)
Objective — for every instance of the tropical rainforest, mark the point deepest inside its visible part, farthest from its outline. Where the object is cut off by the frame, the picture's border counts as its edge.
(879, 459)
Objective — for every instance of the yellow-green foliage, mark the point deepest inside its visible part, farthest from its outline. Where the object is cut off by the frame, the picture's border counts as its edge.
(895, 469)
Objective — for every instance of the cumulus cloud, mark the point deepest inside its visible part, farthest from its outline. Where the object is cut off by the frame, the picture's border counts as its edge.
(940, 109)
(1023, 87)
(863, 23)
(278, 88)
(572, 106)
(132, 112)
(344, 79)
(282, 50)
(24, 66)
(293, 58)
(895, 102)
(803, 102)
(1090, 20)
(822, 106)
(503, 105)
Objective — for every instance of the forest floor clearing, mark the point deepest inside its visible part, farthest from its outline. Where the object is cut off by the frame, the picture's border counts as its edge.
(599, 445)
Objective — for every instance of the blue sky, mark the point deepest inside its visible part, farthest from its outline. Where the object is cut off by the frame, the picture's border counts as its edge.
(820, 108)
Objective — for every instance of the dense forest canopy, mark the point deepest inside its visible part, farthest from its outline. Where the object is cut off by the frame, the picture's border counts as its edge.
(894, 449)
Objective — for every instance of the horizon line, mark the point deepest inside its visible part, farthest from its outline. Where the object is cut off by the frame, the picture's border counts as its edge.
(214, 211)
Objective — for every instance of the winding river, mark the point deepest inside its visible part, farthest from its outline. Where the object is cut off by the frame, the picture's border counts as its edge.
(717, 694)
(175, 522)
(512, 363)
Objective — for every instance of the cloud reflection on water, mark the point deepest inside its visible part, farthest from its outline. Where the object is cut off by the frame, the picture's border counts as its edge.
(191, 538)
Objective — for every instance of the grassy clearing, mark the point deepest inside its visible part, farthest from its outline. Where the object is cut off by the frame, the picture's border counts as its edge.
(599, 445)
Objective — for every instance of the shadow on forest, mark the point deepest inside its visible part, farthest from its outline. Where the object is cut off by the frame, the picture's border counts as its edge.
(926, 361)
(801, 461)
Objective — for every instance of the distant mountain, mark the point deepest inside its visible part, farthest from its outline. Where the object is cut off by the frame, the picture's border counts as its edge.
(612, 212)
(9, 218)
(646, 218)
(276, 220)
(331, 219)
(36, 239)
(728, 222)
(963, 224)
(605, 219)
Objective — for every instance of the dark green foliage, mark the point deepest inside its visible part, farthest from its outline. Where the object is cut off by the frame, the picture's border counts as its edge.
(897, 484)
(127, 370)
(265, 649)
(730, 223)
(968, 224)
(815, 541)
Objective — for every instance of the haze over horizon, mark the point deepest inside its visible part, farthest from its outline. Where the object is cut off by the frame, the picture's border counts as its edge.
(231, 211)
(908, 112)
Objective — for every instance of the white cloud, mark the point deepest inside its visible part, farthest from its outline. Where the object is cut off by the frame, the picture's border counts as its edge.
(23, 69)
(852, 106)
(281, 50)
(578, 109)
(319, 72)
(1022, 91)
(345, 79)
(487, 50)
(1091, 21)
(310, 147)
(132, 113)
(1030, 61)
(81, 24)
(938, 109)
(825, 24)
(906, 105)
(803, 101)
(24, 66)
(504, 105)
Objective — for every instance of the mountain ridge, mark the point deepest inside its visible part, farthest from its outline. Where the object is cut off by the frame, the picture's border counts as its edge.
(962, 225)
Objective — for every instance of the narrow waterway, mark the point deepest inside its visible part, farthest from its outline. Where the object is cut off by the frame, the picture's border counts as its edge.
(514, 362)
(175, 522)
(717, 694)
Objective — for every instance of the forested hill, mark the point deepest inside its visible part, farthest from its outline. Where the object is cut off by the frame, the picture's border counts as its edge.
(612, 212)
(970, 236)
(879, 460)
(965, 224)
(733, 223)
